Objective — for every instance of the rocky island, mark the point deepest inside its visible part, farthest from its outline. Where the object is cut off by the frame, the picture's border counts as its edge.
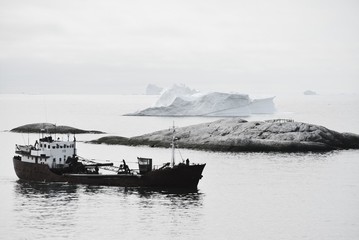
(236, 135)
(51, 128)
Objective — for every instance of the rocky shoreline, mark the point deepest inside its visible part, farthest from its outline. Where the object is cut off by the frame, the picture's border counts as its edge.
(51, 128)
(237, 135)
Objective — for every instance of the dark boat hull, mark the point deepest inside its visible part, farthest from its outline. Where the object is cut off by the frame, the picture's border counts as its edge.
(181, 176)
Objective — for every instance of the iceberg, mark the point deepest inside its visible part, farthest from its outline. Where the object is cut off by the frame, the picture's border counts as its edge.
(177, 91)
(183, 101)
(309, 92)
(152, 89)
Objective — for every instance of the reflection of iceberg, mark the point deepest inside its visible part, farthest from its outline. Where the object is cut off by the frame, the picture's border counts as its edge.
(182, 101)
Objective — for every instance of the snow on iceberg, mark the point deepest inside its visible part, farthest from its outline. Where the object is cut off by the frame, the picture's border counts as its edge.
(183, 101)
(177, 91)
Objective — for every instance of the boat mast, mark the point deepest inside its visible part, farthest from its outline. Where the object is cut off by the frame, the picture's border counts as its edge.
(173, 146)
(74, 155)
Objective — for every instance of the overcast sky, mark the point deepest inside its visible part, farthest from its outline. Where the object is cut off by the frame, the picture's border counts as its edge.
(85, 46)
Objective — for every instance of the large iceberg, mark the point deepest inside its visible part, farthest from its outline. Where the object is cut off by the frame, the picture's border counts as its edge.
(183, 101)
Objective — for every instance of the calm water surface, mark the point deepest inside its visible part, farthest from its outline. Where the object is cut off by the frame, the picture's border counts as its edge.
(241, 196)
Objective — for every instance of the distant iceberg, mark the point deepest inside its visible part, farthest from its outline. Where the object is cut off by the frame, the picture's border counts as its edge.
(309, 92)
(152, 89)
(183, 101)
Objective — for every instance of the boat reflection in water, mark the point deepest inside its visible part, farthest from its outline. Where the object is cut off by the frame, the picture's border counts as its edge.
(29, 189)
(80, 211)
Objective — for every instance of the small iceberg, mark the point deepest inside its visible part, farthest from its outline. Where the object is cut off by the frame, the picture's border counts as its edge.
(309, 92)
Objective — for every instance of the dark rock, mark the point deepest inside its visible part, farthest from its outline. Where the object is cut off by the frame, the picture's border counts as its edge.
(51, 128)
(111, 140)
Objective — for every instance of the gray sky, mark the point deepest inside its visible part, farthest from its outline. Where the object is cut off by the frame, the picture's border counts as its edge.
(78, 46)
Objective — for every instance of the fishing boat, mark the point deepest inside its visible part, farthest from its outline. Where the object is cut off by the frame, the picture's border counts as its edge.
(55, 160)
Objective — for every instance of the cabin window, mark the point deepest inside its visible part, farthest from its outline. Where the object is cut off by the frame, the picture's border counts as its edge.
(60, 159)
(40, 144)
(49, 146)
(60, 146)
(57, 145)
(53, 147)
(45, 145)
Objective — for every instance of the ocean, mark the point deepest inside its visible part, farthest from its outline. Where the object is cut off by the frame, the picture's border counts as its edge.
(241, 195)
